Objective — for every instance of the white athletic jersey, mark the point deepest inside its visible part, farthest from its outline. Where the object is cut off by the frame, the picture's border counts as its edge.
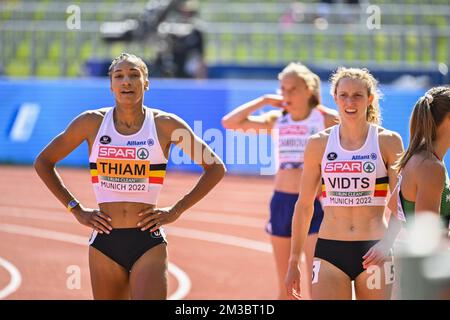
(354, 178)
(293, 136)
(129, 168)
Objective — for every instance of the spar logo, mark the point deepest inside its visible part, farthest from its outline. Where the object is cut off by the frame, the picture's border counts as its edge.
(142, 153)
(369, 167)
(344, 167)
(117, 152)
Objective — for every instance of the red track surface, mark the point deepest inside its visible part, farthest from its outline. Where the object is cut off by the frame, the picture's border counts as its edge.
(237, 207)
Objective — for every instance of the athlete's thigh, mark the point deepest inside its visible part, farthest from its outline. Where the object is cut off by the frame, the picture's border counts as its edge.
(310, 247)
(329, 282)
(109, 280)
(376, 282)
(148, 278)
(307, 265)
(281, 250)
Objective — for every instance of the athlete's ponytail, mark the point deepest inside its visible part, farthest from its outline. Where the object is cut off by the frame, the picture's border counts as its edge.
(429, 112)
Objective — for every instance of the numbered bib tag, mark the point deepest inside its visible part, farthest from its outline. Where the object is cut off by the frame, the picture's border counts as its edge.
(315, 271)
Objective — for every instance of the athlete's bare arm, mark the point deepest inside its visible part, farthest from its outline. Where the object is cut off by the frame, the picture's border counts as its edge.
(331, 116)
(304, 207)
(391, 146)
(430, 177)
(84, 127)
(242, 118)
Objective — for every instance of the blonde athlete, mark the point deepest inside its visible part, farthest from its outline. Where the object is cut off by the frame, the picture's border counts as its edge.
(128, 150)
(300, 115)
(354, 161)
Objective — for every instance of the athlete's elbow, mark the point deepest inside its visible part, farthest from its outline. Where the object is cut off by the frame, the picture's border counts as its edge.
(230, 123)
(227, 123)
(41, 163)
(37, 164)
(220, 170)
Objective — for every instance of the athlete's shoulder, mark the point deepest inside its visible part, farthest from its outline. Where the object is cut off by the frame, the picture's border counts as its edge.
(427, 168)
(390, 143)
(159, 114)
(320, 138)
(327, 111)
(167, 120)
(427, 162)
(388, 136)
(330, 116)
(166, 117)
(324, 134)
(92, 117)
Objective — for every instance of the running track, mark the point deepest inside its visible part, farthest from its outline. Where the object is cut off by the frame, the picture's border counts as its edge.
(217, 250)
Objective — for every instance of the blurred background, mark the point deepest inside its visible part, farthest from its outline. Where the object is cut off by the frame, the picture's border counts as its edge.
(235, 38)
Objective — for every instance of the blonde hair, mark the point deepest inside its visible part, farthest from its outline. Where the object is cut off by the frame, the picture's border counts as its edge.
(429, 112)
(373, 110)
(311, 79)
(128, 57)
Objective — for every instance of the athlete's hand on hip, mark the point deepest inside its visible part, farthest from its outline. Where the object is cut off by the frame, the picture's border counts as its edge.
(292, 281)
(93, 218)
(377, 254)
(154, 218)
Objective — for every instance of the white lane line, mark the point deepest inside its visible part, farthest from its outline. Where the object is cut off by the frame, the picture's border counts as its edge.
(183, 286)
(225, 219)
(43, 233)
(15, 281)
(37, 214)
(194, 215)
(184, 283)
(220, 238)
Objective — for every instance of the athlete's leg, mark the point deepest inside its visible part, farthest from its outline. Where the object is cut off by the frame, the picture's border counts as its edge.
(148, 277)
(375, 282)
(281, 250)
(330, 283)
(109, 280)
(310, 246)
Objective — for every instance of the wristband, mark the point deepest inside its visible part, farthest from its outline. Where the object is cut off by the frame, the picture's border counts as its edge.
(72, 204)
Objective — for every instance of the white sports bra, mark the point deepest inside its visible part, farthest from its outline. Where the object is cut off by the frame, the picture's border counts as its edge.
(127, 168)
(354, 178)
(293, 136)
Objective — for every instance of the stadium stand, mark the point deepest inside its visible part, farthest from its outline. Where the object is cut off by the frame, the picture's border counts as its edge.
(250, 35)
